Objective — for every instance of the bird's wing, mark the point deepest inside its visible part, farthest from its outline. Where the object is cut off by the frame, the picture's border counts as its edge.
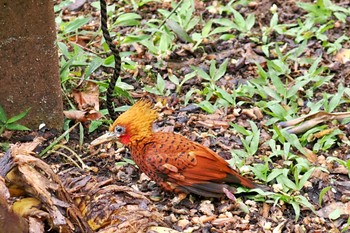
(188, 164)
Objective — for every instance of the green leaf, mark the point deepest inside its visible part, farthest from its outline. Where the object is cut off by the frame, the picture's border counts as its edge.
(75, 24)
(189, 95)
(272, 93)
(240, 129)
(263, 74)
(128, 19)
(94, 125)
(3, 116)
(285, 181)
(81, 134)
(305, 177)
(274, 174)
(212, 69)
(224, 22)
(274, 20)
(160, 84)
(132, 39)
(188, 77)
(94, 64)
(305, 202)
(201, 73)
(222, 70)
(296, 208)
(206, 29)
(18, 117)
(174, 79)
(239, 20)
(250, 22)
(207, 106)
(179, 31)
(279, 86)
(64, 49)
(221, 30)
(322, 193)
(14, 126)
(227, 37)
(336, 98)
(335, 214)
(225, 95)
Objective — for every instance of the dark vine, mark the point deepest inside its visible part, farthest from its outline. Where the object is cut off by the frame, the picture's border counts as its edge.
(117, 60)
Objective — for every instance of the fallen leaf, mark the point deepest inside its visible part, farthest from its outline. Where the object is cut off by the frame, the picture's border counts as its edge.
(82, 116)
(88, 104)
(343, 56)
(311, 120)
(48, 199)
(88, 98)
(310, 155)
(28, 207)
(162, 230)
(334, 210)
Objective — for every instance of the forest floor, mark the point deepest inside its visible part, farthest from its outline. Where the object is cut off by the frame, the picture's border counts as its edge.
(275, 61)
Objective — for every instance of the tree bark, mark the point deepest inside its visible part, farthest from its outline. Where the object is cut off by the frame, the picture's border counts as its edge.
(29, 74)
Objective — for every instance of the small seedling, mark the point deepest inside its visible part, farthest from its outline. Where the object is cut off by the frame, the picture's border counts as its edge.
(10, 124)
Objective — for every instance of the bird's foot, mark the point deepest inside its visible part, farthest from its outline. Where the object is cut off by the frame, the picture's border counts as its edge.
(229, 194)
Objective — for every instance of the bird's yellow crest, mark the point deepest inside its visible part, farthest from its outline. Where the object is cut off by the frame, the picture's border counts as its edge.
(137, 120)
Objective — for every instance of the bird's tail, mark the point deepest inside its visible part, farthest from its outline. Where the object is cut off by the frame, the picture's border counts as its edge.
(236, 178)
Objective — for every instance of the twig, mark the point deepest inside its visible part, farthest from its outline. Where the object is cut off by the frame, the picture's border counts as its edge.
(57, 140)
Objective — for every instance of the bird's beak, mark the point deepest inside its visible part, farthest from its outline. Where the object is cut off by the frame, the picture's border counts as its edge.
(109, 136)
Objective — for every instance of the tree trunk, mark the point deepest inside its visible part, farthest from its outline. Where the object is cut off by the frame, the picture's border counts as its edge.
(29, 74)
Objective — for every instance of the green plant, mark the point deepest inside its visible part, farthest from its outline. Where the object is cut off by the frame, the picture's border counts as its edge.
(250, 141)
(238, 23)
(139, 3)
(290, 179)
(211, 89)
(346, 226)
(159, 88)
(10, 124)
(163, 32)
(322, 10)
(68, 28)
(183, 15)
(177, 82)
(336, 45)
(346, 163)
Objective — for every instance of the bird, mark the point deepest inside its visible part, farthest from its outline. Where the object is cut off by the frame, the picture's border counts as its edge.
(173, 161)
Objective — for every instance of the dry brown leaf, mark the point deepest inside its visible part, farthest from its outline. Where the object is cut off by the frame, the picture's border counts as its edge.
(343, 56)
(112, 208)
(265, 210)
(162, 230)
(88, 104)
(311, 120)
(310, 155)
(344, 208)
(28, 207)
(33, 177)
(82, 116)
(251, 57)
(89, 98)
(340, 170)
(26, 148)
(250, 113)
(9, 221)
(36, 225)
(324, 132)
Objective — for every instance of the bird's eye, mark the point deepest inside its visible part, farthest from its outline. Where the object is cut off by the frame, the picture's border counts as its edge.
(119, 130)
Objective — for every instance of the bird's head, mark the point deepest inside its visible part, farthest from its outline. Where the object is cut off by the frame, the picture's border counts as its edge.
(133, 125)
